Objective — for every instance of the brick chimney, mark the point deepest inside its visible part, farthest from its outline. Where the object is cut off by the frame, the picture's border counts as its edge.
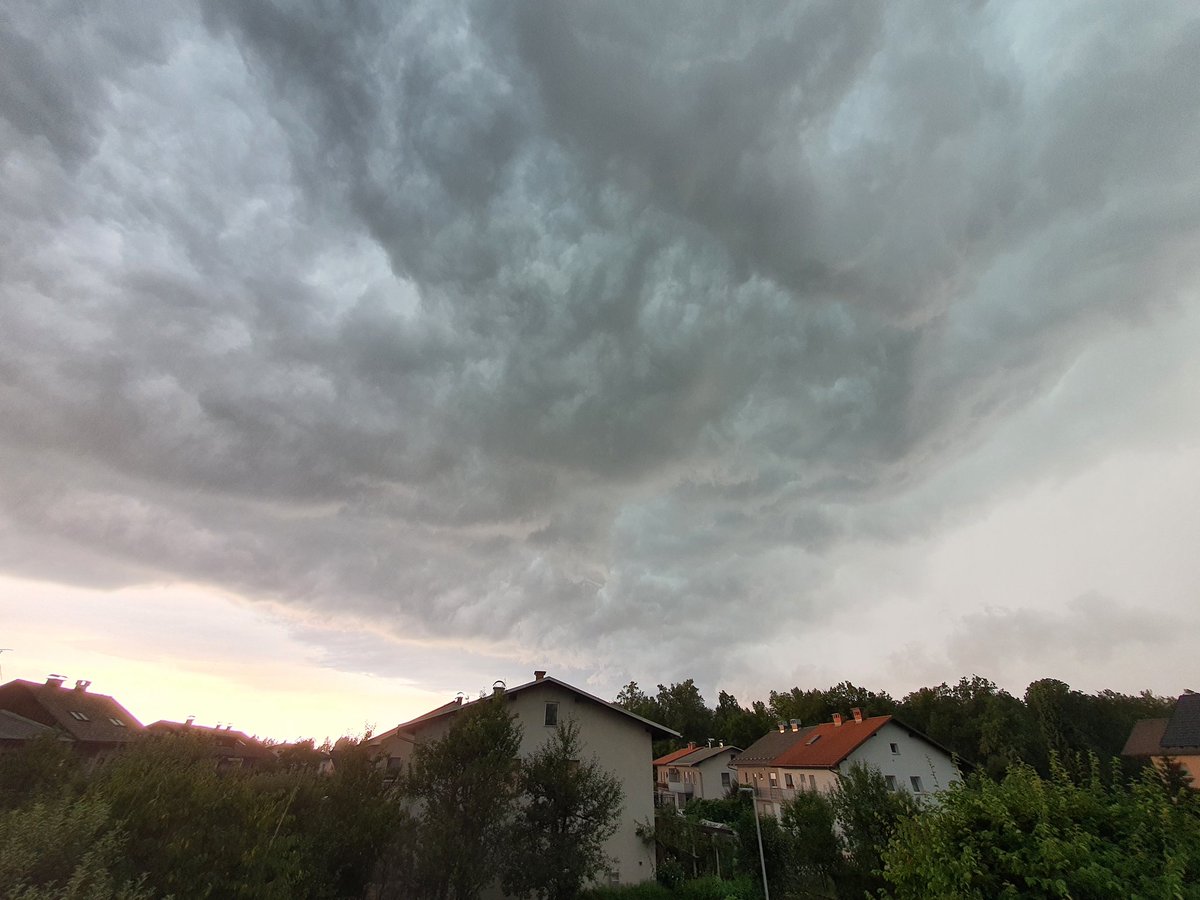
(82, 685)
(857, 715)
(498, 687)
(837, 720)
(795, 723)
(55, 681)
(539, 674)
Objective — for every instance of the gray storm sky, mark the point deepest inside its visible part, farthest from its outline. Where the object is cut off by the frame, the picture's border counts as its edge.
(765, 344)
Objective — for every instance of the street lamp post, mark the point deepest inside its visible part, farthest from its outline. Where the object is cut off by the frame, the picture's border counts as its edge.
(758, 831)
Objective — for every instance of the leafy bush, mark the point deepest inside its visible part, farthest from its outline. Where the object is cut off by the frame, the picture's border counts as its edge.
(1029, 836)
(62, 849)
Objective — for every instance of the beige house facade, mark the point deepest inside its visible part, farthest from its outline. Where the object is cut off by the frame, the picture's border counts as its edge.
(617, 739)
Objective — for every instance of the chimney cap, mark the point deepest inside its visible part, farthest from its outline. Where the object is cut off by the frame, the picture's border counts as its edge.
(539, 674)
(857, 713)
(55, 680)
(498, 686)
(837, 718)
(82, 684)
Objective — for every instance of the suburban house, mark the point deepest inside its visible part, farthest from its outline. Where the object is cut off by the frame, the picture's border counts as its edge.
(694, 773)
(617, 739)
(16, 731)
(230, 749)
(96, 723)
(1176, 738)
(813, 758)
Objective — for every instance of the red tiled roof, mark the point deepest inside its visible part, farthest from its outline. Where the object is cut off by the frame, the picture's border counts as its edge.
(674, 755)
(825, 746)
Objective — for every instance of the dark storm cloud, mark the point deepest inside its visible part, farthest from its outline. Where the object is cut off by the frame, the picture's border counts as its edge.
(547, 323)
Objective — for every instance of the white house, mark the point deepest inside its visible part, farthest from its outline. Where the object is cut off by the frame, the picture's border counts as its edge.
(619, 740)
(797, 758)
(694, 773)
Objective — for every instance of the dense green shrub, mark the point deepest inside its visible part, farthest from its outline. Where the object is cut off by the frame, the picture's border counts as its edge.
(1029, 836)
(63, 849)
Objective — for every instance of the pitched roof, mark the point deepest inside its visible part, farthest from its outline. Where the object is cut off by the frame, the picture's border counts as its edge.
(657, 731)
(764, 751)
(1146, 737)
(226, 741)
(1183, 729)
(18, 728)
(826, 745)
(84, 715)
(674, 755)
(704, 754)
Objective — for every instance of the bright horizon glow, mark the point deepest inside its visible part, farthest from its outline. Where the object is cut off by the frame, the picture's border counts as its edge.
(172, 651)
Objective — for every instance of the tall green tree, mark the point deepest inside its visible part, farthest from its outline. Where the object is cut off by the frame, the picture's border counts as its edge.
(682, 708)
(638, 702)
(569, 809)
(868, 814)
(738, 726)
(464, 785)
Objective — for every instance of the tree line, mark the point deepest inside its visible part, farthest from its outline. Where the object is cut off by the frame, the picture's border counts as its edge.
(159, 820)
(980, 722)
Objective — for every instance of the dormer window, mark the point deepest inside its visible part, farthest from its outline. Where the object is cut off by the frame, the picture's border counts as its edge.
(76, 714)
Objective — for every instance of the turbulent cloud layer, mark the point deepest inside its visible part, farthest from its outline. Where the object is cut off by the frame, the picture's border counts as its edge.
(564, 329)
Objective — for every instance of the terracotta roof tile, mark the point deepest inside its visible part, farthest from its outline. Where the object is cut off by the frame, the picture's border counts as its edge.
(675, 755)
(825, 746)
(771, 745)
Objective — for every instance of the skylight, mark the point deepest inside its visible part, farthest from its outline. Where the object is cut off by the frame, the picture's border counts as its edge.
(812, 740)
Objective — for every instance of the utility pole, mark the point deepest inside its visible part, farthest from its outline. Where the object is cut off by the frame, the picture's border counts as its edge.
(758, 830)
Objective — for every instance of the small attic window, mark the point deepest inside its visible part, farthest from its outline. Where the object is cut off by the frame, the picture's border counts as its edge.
(116, 721)
(76, 714)
(812, 740)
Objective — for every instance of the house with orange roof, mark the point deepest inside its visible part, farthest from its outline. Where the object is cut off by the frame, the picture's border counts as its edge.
(799, 758)
(694, 773)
